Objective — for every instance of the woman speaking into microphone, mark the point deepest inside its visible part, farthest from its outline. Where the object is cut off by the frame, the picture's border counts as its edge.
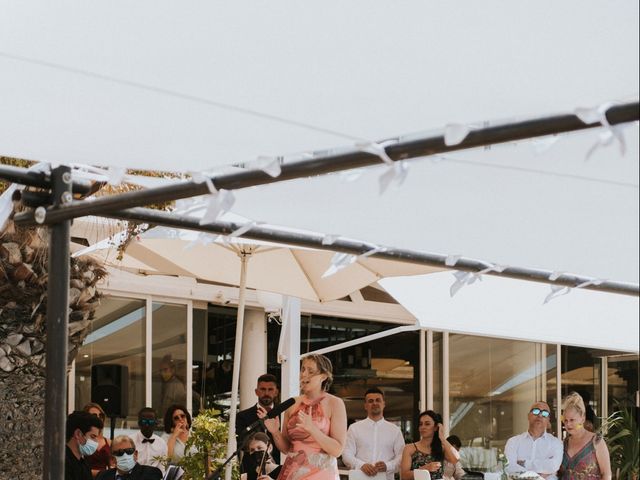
(314, 430)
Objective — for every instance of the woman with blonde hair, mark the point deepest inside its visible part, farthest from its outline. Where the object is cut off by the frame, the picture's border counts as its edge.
(101, 459)
(586, 456)
(314, 430)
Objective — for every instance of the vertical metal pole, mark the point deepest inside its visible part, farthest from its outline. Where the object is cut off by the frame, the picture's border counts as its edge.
(445, 382)
(189, 379)
(604, 388)
(55, 396)
(559, 390)
(148, 352)
(237, 356)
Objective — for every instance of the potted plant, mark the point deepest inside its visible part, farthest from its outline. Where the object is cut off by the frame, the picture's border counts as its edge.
(206, 447)
(623, 440)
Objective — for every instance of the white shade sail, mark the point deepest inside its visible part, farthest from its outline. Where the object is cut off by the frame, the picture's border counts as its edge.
(514, 309)
(509, 205)
(154, 84)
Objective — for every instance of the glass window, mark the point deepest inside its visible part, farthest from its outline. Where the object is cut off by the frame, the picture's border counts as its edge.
(200, 360)
(390, 364)
(169, 356)
(221, 339)
(581, 373)
(623, 376)
(113, 352)
(492, 384)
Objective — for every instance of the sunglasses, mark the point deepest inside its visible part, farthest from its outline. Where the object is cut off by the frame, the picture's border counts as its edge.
(99, 415)
(119, 453)
(180, 416)
(148, 422)
(540, 412)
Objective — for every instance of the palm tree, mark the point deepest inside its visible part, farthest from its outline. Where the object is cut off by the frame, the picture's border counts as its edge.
(23, 306)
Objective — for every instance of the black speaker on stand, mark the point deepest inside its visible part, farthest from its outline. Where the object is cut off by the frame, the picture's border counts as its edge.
(110, 390)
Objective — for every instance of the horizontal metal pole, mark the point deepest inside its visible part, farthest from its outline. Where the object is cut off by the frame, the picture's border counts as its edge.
(32, 178)
(358, 247)
(323, 164)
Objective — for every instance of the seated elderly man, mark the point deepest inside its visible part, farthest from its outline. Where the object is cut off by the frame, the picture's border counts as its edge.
(535, 450)
(125, 455)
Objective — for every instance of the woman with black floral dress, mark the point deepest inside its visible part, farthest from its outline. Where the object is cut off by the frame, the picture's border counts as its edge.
(430, 452)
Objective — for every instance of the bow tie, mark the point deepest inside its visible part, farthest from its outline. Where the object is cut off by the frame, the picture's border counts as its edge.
(148, 440)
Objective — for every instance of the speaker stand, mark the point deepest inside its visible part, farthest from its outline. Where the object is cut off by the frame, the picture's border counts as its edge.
(113, 427)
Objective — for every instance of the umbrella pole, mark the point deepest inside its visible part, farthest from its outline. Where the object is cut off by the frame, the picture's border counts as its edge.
(231, 443)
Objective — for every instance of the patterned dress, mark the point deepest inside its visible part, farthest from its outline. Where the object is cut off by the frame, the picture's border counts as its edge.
(418, 459)
(307, 460)
(583, 465)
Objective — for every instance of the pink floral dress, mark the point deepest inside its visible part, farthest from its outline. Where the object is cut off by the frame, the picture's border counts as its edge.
(307, 460)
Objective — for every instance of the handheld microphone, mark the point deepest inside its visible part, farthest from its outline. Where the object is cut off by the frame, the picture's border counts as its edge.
(274, 412)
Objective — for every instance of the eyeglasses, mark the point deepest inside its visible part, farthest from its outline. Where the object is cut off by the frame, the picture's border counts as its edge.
(99, 415)
(119, 453)
(148, 422)
(540, 412)
(180, 416)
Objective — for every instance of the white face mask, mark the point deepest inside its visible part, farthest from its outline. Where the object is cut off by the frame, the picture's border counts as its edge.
(89, 447)
(125, 462)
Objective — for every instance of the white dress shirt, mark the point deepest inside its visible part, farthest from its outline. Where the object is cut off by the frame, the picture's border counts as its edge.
(541, 455)
(372, 442)
(148, 450)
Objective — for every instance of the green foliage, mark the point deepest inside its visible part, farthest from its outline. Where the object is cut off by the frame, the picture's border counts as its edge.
(207, 444)
(623, 440)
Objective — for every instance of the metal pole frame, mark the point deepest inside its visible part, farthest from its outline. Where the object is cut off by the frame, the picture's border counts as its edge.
(359, 247)
(55, 398)
(333, 162)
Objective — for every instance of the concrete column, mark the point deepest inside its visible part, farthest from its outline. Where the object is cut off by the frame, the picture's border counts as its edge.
(254, 355)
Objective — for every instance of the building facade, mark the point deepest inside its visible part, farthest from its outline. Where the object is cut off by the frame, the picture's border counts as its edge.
(483, 386)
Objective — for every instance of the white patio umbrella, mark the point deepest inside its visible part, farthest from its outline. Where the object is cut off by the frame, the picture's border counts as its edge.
(297, 272)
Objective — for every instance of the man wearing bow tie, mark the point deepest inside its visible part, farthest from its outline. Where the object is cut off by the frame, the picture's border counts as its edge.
(148, 444)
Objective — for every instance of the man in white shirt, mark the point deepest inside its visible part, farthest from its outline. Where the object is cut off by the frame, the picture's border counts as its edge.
(374, 445)
(148, 444)
(535, 450)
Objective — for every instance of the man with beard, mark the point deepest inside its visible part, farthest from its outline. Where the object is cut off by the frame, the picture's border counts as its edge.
(535, 449)
(267, 393)
(374, 445)
(148, 444)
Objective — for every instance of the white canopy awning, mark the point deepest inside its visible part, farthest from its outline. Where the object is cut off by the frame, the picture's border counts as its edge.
(154, 84)
(514, 309)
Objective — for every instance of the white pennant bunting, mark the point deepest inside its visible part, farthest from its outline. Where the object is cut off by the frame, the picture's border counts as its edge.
(373, 251)
(338, 262)
(116, 175)
(329, 239)
(219, 203)
(269, 165)
(394, 173)
(451, 260)
(243, 229)
(556, 291)
(455, 133)
(378, 149)
(468, 278)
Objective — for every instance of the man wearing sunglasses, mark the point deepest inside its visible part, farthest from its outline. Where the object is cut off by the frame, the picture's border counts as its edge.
(125, 456)
(148, 444)
(535, 450)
